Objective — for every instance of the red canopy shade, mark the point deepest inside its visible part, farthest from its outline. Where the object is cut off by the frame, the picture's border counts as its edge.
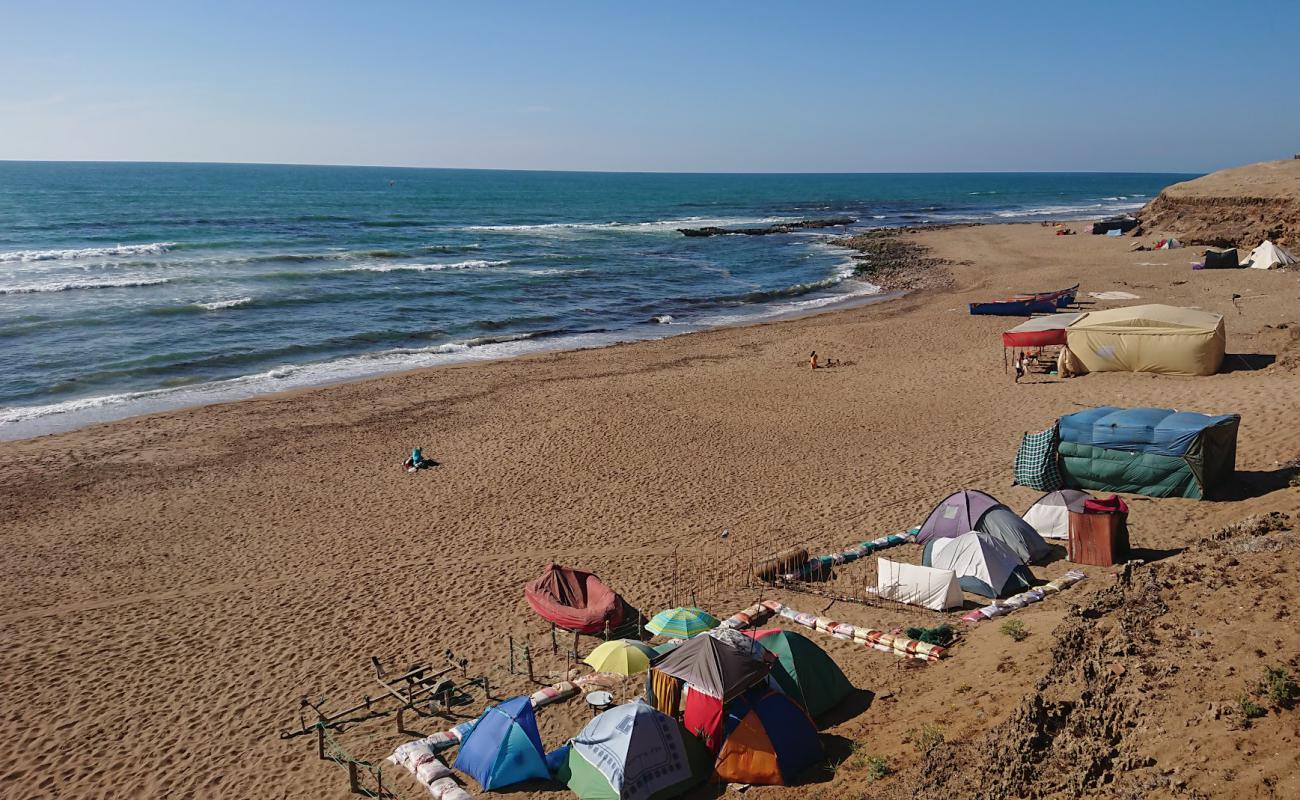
(1039, 331)
(574, 600)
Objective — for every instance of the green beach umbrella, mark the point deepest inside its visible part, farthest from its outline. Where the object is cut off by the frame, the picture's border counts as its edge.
(681, 622)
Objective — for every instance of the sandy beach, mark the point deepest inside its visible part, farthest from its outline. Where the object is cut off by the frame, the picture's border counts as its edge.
(175, 583)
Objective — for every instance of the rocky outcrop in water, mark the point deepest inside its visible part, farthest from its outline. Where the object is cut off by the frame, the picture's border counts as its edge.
(1237, 207)
(781, 227)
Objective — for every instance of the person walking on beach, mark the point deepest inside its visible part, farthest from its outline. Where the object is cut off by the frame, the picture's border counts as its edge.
(1020, 366)
(812, 359)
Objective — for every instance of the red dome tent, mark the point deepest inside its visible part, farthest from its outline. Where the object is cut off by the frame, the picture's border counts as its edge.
(575, 600)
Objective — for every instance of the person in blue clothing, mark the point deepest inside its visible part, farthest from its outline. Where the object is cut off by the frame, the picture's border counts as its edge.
(417, 461)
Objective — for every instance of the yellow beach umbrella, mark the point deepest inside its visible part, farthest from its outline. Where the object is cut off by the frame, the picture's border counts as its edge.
(621, 656)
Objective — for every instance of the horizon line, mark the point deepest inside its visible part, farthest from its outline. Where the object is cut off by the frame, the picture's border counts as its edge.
(601, 171)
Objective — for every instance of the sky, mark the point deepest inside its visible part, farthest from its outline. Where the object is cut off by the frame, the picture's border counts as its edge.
(654, 86)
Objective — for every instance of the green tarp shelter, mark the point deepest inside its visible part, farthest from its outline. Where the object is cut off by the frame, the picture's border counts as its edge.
(1158, 452)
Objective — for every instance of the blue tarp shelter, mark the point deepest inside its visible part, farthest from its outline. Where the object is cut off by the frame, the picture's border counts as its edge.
(1153, 451)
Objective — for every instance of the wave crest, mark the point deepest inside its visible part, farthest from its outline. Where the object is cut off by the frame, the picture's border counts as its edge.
(150, 249)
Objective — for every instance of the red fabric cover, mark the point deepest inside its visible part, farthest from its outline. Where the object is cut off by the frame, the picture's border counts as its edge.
(574, 600)
(703, 718)
(1106, 505)
(1033, 338)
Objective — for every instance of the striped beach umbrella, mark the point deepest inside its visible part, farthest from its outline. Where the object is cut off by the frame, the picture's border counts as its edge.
(681, 622)
(621, 657)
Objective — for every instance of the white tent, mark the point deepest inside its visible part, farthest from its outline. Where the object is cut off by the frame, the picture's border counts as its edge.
(1269, 256)
(1050, 514)
(936, 589)
(983, 563)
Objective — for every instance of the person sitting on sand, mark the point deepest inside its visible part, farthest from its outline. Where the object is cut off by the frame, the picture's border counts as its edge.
(416, 460)
(812, 359)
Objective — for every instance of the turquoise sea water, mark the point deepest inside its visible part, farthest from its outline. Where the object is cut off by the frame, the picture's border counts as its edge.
(127, 288)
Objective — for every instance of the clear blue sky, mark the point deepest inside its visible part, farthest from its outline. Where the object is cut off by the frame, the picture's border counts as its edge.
(701, 86)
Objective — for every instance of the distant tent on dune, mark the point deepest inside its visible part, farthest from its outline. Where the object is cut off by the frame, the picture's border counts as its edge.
(1269, 256)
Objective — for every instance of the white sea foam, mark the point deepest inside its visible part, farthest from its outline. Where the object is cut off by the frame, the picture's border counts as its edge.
(1084, 209)
(67, 286)
(471, 264)
(217, 305)
(151, 249)
(664, 319)
(648, 225)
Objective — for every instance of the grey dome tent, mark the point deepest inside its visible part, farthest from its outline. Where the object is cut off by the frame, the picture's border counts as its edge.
(984, 565)
(969, 510)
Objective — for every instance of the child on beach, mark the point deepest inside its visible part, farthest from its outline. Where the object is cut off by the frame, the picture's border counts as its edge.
(812, 359)
(1020, 366)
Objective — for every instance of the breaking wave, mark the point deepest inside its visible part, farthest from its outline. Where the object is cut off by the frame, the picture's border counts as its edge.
(151, 249)
(217, 305)
(68, 286)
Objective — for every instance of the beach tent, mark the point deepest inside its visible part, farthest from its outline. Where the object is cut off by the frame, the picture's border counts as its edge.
(1050, 514)
(769, 740)
(713, 667)
(972, 510)
(1269, 256)
(984, 564)
(1169, 244)
(1150, 338)
(935, 589)
(803, 670)
(1228, 259)
(1039, 331)
(504, 746)
(1153, 451)
(575, 600)
(633, 752)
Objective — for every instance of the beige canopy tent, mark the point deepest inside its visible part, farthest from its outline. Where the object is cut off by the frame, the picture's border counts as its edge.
(1150, 338)
(1270, 256)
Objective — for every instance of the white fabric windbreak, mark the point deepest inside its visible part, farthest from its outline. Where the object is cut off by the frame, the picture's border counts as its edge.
(1269, 256)
(936, 589)
(976, 555)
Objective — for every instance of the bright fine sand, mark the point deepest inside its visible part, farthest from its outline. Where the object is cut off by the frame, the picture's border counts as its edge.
(175, 583)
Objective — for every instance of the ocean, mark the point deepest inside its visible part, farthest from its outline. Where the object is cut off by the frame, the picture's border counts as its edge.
(132, 288)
